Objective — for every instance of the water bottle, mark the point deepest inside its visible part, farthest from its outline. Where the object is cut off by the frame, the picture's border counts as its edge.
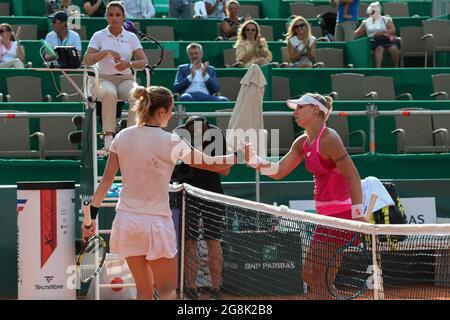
(235, 223)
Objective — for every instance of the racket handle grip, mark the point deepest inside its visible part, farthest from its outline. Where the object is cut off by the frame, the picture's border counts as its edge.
(372, 201)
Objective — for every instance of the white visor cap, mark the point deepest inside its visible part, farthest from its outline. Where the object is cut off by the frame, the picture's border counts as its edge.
(304, 100)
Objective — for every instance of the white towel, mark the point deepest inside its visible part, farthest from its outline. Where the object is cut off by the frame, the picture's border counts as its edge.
(373, 185)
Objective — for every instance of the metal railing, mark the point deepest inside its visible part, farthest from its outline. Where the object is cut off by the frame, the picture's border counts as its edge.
(181, 114)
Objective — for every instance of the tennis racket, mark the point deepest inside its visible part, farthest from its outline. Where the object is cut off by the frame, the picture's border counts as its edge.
(352, 261)
(92, 257)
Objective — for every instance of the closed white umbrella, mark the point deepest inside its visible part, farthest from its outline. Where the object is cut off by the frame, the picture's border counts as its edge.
(248, 114)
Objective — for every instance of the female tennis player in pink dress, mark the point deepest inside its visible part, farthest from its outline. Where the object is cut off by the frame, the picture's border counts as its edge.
(337, 185)
(143, 232)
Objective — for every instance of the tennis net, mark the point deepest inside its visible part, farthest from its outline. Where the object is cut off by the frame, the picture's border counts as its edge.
(273, 252)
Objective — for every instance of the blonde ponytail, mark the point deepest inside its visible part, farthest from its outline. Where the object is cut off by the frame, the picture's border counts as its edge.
(148, 100)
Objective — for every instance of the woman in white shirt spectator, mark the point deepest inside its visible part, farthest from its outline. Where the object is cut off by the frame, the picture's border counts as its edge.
(112, 49)
(381, 31)
(301, 44)
(11, 52)
(138, 9)
(215, 8)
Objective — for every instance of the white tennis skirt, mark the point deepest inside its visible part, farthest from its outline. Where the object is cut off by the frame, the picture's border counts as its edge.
(146, 235)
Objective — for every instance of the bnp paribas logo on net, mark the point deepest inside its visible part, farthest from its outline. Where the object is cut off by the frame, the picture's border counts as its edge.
(270, 253)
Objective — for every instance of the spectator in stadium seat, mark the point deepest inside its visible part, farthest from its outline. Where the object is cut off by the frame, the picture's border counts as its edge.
(232, 21)
(301, 44)
(94, 8)
(54, 6)
(213, 219)
(143, 231)
(251, 47)
(197, 81)
(215, 8)
(381, 31)
(337, 185)
(112, 50)
(346, 25)
(12, 54)
(138, 9)
(61, 35)
(180, 9)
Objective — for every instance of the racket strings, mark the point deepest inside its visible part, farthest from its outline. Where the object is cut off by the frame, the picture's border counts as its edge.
(91, 259)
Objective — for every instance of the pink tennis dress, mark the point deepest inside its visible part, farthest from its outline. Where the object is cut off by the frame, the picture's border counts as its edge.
(331, 192)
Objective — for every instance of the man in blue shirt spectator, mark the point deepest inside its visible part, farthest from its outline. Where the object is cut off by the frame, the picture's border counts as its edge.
(346, 20)
(61, 35)
(197, 81)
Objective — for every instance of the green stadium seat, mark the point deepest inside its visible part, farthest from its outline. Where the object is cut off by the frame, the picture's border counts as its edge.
(384, 87)
(82, 32)
(281, 90)
(153, 56)
(5, 9)
(18, 92)
(340, 124)
(415, 134)
(411, 44)
(229, 57)
(56, 141)
(249, 9)
(437, 36)
(229, 87)
(162, 33)
(316, 31)
(15, 138)
(396, 9)
(68, 92)
(286, 132)
(362, 10)
(305, 9)
(330, 58)
(442, 121)
(27, 31)
(348, 86)
(266, 32)
(320, 9)
(441, 86)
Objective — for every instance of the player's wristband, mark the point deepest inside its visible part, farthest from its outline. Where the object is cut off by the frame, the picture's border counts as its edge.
(357, 211)
(94, 212)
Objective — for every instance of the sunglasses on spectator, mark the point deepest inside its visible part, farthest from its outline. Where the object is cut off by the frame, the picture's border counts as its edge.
(302, 25)
(250, 30)
(4, 30)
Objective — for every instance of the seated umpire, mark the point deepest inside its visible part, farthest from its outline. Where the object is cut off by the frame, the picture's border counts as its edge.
(197, 81)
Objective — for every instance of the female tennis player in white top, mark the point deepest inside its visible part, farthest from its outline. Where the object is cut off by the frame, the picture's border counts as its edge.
(143, 230)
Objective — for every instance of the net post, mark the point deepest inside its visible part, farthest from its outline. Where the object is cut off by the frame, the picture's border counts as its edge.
(372, 112)
(183, 222)
(377, 278)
